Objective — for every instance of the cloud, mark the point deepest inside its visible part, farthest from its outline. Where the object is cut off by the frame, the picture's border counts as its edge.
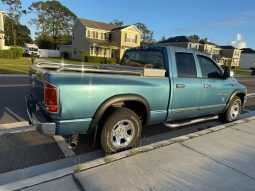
(238, 42)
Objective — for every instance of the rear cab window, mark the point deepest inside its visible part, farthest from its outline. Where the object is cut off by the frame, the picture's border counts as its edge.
(186, 65)
(144, 58)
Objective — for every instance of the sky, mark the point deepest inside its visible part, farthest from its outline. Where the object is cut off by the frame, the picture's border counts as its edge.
(224, 22)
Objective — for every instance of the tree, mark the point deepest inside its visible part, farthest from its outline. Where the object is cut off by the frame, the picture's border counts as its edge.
(147, 35)
(163, 38)
(22, 33)
(53, 19)
(195, 37)
(117, 22)
(14, 12)
(45, 41)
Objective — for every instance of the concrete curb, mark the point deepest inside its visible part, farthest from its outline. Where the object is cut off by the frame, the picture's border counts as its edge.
(15, 127)
(63, 146)
(6, 126)
(13, 75)
(111, 158)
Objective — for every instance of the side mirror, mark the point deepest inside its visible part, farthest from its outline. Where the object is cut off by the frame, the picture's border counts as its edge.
(228, 73)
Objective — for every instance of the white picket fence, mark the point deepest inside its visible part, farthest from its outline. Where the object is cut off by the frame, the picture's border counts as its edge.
(49, 53)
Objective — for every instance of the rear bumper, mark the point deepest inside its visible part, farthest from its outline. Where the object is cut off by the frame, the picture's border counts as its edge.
(36, 118)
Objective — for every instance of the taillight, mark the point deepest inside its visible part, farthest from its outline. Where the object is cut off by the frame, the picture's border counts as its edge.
(50, 97)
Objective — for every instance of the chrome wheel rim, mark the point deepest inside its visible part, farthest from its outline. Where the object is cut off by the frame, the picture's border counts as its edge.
(123, 133)
(235, 109)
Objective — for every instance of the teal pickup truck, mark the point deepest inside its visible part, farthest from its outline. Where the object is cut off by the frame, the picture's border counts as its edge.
(152, 84)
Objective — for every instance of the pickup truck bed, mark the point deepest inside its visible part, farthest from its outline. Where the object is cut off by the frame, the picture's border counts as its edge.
(153, 84)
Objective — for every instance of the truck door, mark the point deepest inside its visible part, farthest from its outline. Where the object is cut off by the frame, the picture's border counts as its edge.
(214, 94)
(186, 90)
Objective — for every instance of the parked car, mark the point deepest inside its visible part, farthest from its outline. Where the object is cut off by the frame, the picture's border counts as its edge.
(31, 50)
(152, 84)
(253, 69)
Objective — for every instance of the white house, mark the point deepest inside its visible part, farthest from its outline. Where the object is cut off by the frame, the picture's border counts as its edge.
(247, 58)
(2, 44)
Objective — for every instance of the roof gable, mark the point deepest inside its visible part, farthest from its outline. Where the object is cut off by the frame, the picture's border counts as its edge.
(97, 25)
(134, 27)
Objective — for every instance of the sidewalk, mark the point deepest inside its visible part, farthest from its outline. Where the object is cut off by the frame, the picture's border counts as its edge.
(214, 159)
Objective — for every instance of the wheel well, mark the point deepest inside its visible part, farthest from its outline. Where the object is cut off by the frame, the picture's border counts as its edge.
(241, 96)
(136, 106)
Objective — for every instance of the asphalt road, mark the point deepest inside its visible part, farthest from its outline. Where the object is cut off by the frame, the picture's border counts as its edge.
(21, 150)
(13, 90)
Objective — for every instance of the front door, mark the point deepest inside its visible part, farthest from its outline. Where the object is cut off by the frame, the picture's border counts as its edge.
(214, 95)
(187, 89)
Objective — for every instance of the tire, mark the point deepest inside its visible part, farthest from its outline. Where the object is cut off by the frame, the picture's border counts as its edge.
(233, 111)
(121, 130)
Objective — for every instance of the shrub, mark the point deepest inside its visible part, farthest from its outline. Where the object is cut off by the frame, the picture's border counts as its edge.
(95, 59)
(14, 52)
(17, 52)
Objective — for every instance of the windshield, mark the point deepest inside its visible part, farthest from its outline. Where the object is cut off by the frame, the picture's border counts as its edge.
(144, 58)
(33, 49)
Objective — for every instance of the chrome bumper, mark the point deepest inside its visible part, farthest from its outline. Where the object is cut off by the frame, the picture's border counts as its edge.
(37, 119)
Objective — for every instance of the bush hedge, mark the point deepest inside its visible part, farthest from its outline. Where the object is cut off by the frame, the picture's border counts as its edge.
(95, 59)
(12, 53)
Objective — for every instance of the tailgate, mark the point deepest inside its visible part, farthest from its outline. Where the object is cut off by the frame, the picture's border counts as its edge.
(37, 78)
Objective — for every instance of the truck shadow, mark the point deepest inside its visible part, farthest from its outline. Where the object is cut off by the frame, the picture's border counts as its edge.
(12, 104)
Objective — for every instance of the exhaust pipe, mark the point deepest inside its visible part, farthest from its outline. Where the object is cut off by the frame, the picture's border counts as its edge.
(73, 141)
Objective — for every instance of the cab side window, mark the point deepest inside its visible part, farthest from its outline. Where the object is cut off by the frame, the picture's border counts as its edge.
(144, 58)
(208, 68)
(186, 66)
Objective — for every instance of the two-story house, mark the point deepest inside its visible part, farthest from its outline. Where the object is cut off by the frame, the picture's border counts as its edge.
(2, 44)
(101, 39)
(223, 55)
(233, 53)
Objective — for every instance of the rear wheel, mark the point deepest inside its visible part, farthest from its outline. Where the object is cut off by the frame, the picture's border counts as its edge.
(121, 130)
(233, 111)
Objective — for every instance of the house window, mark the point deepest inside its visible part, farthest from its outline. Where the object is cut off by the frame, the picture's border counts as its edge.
(102, 36)
(131, 38)
(236, 53)
(88, 33)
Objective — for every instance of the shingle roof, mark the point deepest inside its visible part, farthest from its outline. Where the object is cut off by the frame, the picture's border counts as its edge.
(179, 39)
(120, 28)
(228, 47)
(98, 25)
(248, 50)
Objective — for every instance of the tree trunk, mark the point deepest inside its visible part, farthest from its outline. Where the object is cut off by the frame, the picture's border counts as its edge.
(13, 34)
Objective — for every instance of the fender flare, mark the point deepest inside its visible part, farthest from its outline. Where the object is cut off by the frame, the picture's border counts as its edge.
(241, 91)
(114, 99)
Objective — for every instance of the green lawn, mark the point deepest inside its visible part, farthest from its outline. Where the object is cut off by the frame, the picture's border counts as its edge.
(15, 66)
(239, 70)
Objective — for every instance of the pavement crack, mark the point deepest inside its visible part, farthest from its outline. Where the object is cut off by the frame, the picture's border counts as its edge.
(77, 182)
(243, 131)
(219, 162)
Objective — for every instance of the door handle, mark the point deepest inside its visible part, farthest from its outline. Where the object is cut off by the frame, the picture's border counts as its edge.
(180, 86)
(207, 85)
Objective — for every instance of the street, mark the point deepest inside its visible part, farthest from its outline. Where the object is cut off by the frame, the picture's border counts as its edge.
(25, 149)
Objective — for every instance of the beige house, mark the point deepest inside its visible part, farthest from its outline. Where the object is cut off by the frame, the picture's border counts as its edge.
(94, 38)
(233, 53)
(223, 55)
(2, 44)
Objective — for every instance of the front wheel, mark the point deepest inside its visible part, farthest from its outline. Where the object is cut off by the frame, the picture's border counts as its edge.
(121, 130)
(233, 111)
